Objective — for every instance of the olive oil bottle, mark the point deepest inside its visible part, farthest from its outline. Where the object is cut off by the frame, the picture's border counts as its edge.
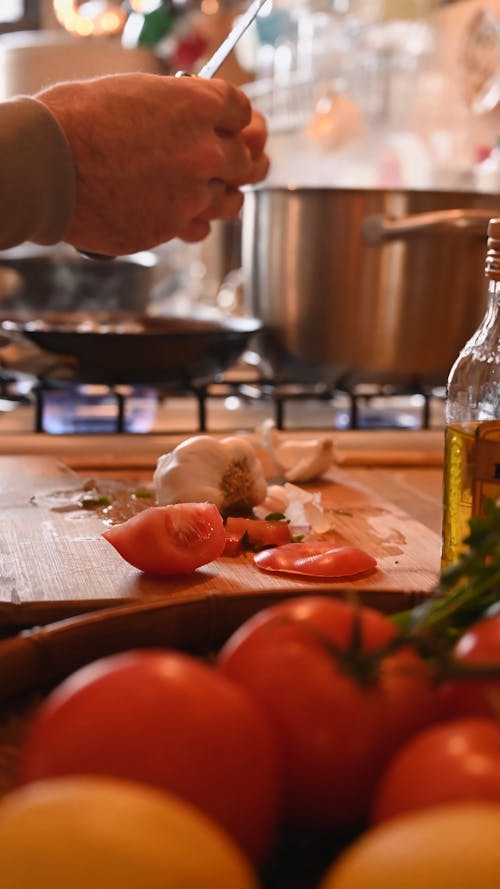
(472, 415)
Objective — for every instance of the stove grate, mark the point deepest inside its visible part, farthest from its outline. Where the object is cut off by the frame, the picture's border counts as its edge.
(66, 406)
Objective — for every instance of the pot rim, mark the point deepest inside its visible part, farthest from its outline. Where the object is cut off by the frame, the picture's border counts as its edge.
(292, 188)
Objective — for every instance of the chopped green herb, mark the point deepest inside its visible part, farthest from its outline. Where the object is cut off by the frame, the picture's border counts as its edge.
(276, 517)
(94, 502)
(142, 493)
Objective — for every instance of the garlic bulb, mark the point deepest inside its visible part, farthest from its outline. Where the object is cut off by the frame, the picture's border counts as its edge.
(226, 472)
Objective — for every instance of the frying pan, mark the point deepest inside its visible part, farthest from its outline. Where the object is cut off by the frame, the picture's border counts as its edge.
(117, 347)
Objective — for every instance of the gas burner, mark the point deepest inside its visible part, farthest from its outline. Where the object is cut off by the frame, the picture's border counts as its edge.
(355, 400)
(240, 398)
(387, 405)
(91, 408)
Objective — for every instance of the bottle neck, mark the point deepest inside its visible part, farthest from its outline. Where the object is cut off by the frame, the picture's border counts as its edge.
(488, 331)
(493, 294)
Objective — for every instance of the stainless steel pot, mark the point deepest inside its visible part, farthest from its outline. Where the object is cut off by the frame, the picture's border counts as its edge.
(378, 281)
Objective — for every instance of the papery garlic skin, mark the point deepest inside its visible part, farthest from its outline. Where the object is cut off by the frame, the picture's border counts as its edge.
(302, 509)
(226, 472)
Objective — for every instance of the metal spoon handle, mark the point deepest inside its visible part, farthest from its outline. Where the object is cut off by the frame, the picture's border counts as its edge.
(220, 55)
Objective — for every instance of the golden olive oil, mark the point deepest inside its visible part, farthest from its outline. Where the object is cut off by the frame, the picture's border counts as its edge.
(472, 446)
(471, 477)
(457, 493)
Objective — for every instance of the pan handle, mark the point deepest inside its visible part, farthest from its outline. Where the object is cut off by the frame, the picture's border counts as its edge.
(378, 228)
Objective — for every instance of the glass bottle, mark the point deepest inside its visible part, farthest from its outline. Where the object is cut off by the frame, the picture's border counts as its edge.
(472, 415)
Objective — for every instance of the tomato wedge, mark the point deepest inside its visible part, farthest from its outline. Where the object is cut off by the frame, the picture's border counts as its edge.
(234, 544)
(173, 539)
(316, 560)
(259, 532)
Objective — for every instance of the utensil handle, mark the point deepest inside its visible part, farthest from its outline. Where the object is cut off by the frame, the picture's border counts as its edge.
(379, 228)
(221, 53)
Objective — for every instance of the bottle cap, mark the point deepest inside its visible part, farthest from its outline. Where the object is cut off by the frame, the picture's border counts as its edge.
(494, 229)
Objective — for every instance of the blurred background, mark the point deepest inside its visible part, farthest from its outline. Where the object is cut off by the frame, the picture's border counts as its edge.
(381, 114)
(374, 91)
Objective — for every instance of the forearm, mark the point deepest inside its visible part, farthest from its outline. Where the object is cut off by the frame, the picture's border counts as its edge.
(37, 180)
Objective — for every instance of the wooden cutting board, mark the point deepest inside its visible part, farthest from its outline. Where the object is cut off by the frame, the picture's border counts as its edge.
(54, 565)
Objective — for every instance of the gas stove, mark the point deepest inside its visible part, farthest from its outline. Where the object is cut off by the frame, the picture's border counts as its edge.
(239, 399)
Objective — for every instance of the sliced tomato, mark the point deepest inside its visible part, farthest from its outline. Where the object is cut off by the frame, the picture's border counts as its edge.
(174, 539)
(259, 532)
(316, 560)
(233, 545)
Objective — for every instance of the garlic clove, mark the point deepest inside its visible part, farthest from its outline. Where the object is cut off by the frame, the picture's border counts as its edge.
(299, 461)
(276, 500)
(306, 460)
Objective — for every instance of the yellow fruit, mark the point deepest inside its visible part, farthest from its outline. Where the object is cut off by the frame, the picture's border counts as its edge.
(100, 833)
(447, 847)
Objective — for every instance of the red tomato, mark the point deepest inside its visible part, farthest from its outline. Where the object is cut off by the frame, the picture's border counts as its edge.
(168, 720)
(480, 644)
(259, 532)
(339, 707)
(315, 559)
(457, 761)
(173, 539)
(233, 545)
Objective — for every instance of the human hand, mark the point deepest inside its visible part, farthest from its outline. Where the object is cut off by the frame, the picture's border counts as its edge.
(155, 157)
(228, 203)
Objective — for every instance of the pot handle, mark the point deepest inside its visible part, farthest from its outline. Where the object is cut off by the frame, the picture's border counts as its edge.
(378, 228)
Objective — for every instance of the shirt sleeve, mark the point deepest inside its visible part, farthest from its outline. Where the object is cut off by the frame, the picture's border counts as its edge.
(37, 178)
